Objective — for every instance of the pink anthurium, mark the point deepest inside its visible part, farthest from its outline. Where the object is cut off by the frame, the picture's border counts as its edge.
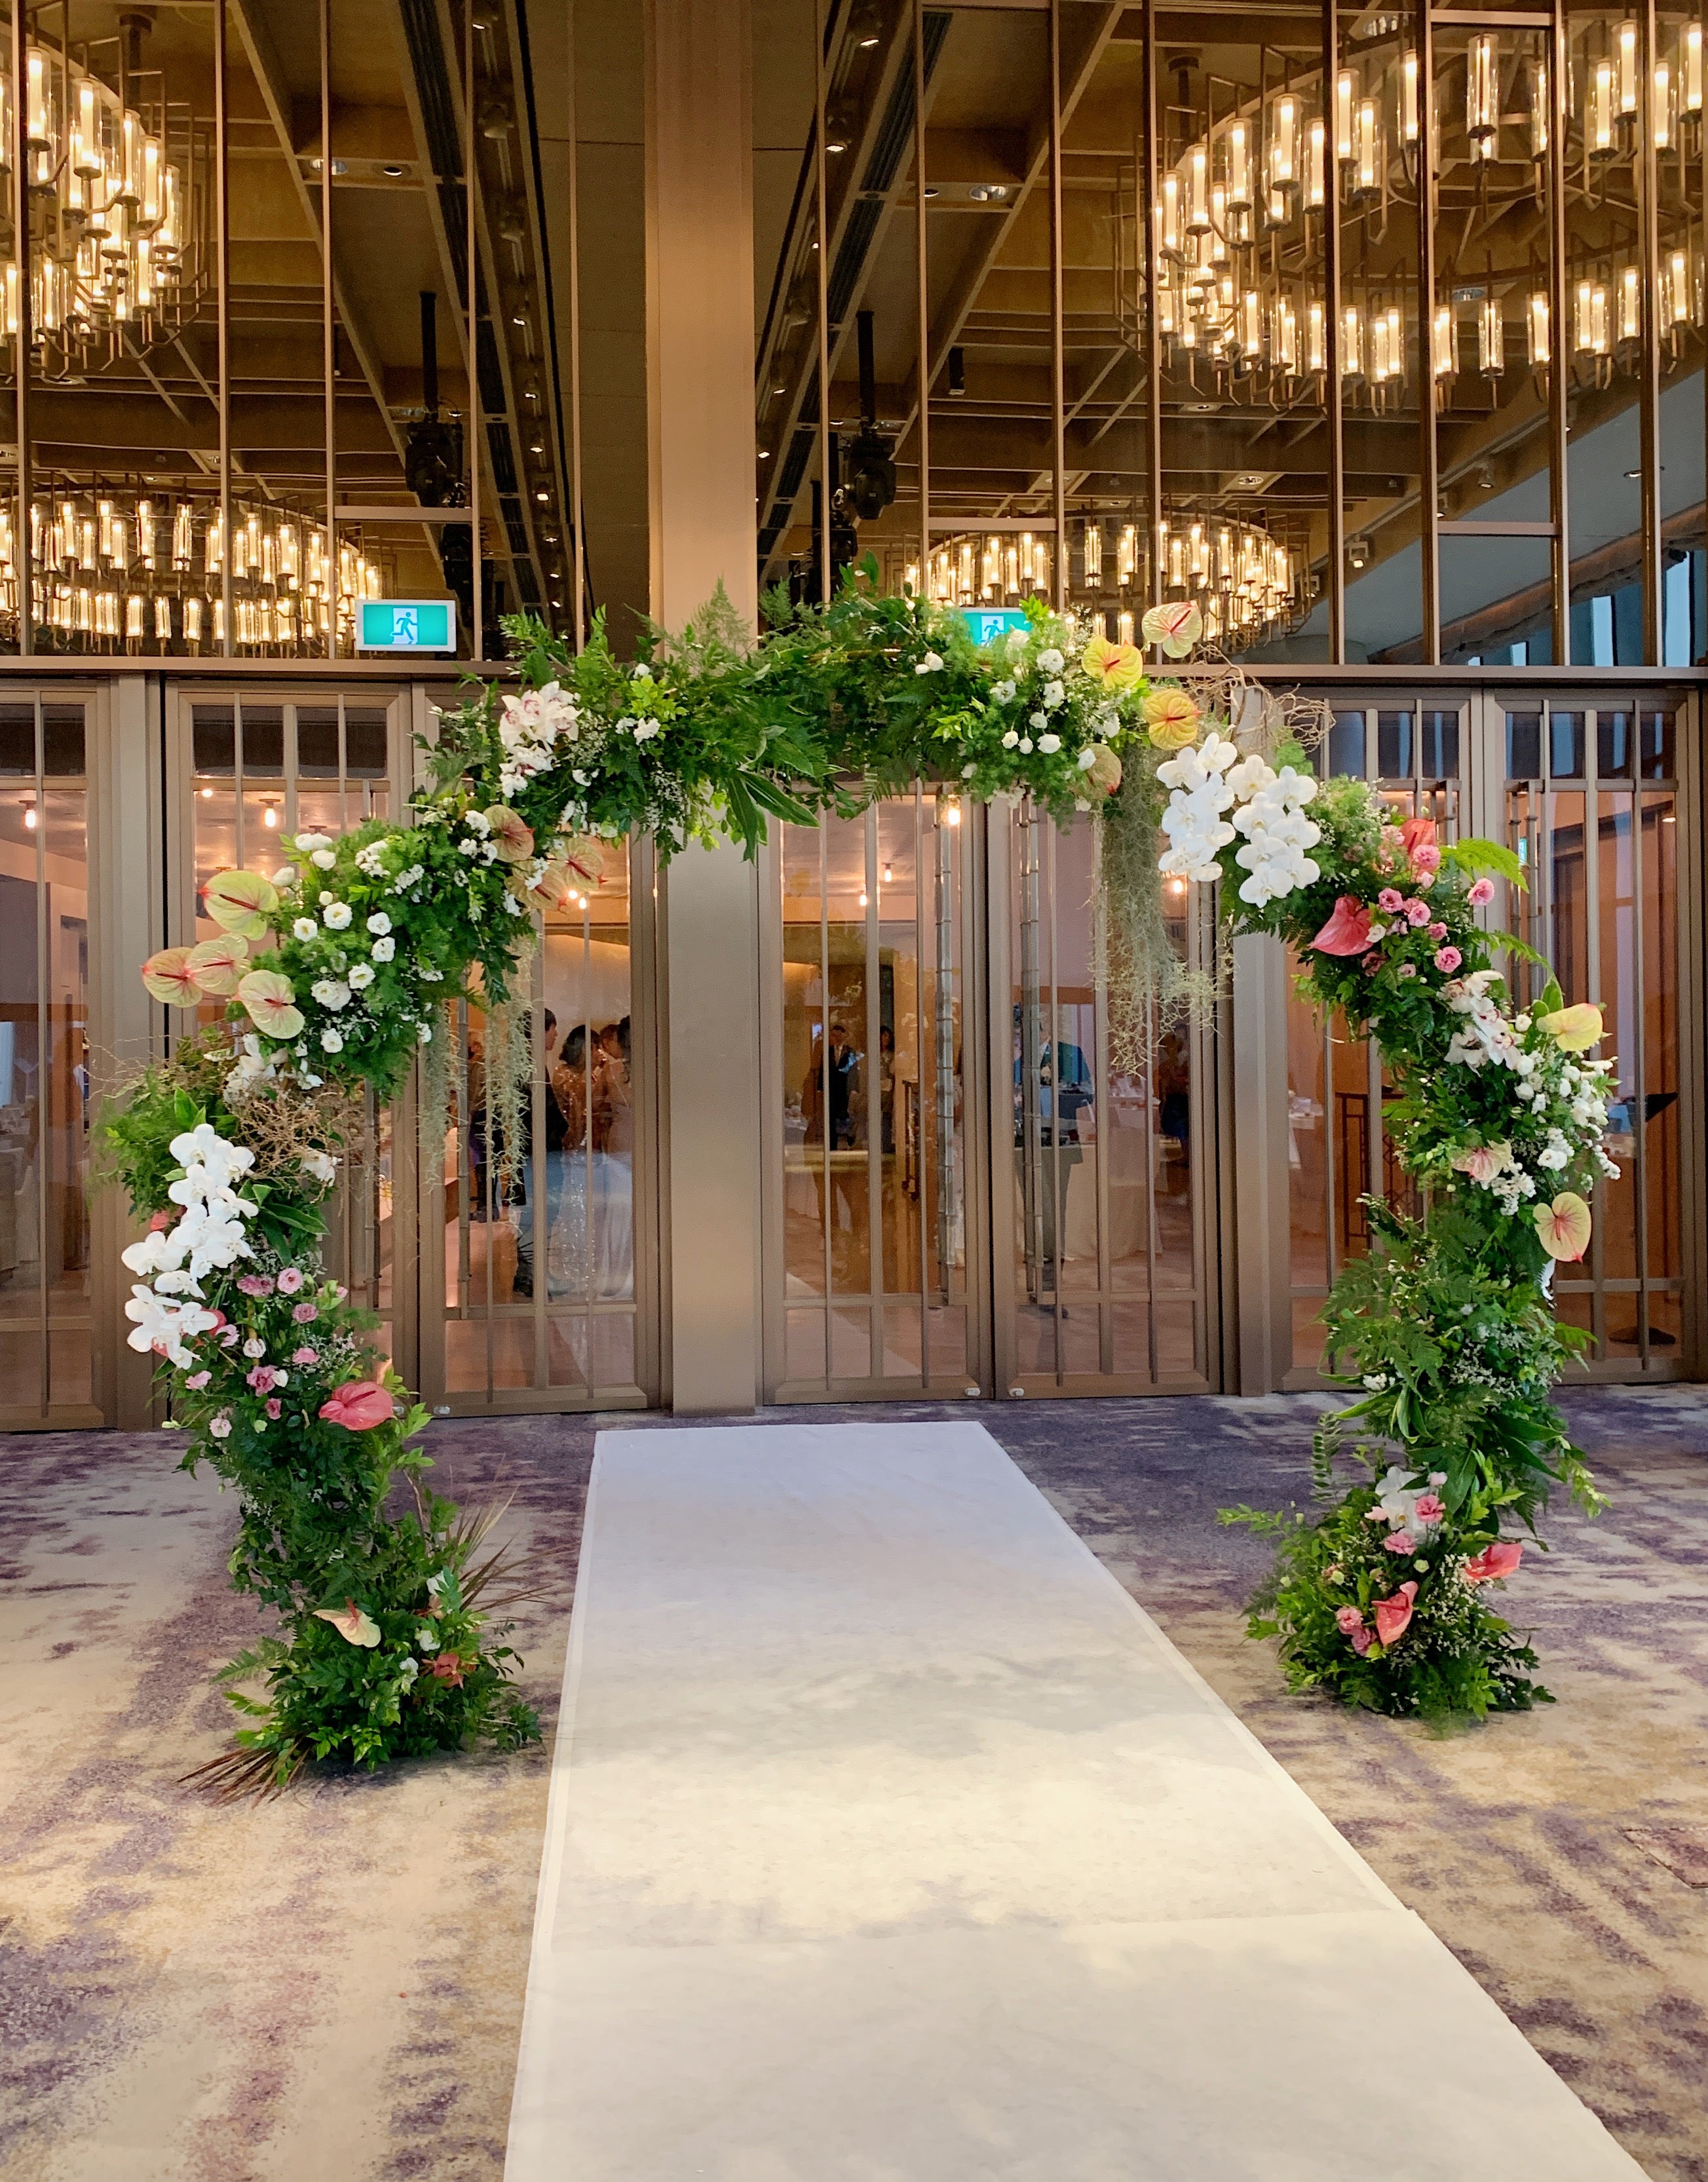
(241, 901)
(1496, 1561)
(1176, 627)
(1416, 834)
(1565, 1226)
(168, 976)
(218, 964)
(360, 1406)
(1347, 932)
(352, 1624)
(270, 998)
(1393, 1615)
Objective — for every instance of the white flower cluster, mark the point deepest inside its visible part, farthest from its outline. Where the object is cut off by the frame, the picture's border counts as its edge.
(209, 1236)
(1542, 1075)
(1276, 829)
(1199, 796)
(531, 724)
(1485, 1033)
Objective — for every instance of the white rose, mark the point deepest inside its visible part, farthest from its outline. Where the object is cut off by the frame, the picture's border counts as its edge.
(1011, 737)
(931, 664)
(332, 1041)
(1050, 661)
(331, 993)
(1039, 722)
(306, 843)
(305, 927)
(384, 949)
(379, 921)
(425, 1034)
(361, 977)
(323, 860)
(336, 915)
(1025, 745)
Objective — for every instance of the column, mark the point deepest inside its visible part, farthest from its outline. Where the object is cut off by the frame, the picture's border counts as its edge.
(700, 404)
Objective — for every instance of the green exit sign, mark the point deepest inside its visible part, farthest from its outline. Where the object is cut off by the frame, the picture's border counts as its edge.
(406, 625)
(988, 623)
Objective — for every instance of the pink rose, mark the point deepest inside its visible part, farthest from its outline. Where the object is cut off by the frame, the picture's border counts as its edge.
(305, 1355)
(290, 1280)
(1394, 1616)
(1430, 1508)
(264, 1378)
(274, 1407)
(1407, 970)
(1496, 1561)
(1371, 961)
(256, 1284)
(1448, 959)
(1436, 931)
(1482, 892)
(1400, 1542)
(1347, 932)
(1391, 902)
(1347, 1619)
(305, 1314)
(1361, 1639)
(1417, 914)
(229, 1337)
(360, 1406)
(1426, 857)
(198, 1380)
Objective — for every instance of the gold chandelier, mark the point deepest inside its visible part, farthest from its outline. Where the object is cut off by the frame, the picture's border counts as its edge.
(1237, 220)
(119, 205)
(115, 568)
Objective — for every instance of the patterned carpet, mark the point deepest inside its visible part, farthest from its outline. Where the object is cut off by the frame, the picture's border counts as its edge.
(333, 1984)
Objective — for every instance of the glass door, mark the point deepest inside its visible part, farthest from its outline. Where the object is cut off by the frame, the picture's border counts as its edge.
(875, 1210)
(1593, 792)
(1103, 1133)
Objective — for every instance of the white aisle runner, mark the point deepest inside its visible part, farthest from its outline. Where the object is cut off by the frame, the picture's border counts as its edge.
(889, 1842)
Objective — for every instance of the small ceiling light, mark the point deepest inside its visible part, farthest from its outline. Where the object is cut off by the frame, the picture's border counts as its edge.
(863, 897)
(29, 817)
(393, 170)
(269, 816)
(542, 495)
(931, 191)
(836, 144)
(518, 319)
(888, 875)
(208, 791)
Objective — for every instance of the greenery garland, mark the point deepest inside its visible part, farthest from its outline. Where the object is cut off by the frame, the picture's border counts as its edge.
(391, 1616)
(390, 1623)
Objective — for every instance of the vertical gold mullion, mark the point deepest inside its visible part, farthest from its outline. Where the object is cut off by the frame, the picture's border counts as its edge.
(925, 1020)
(1054, 1166)
(1638, 967)
(827, 1199)
(44, 1076)
(1592, 974)
(874, 1106)
(538, 1186)
(590, 1220)
(1100, 1107)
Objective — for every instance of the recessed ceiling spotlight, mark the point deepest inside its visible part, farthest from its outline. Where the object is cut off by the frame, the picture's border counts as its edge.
(393, 169)
(542, 495)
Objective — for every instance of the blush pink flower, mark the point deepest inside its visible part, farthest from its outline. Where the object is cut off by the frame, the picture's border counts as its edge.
(1426, 858)
(1347, 932)
(1496, 1561)
(1347, 1619)
(1400, 1541)
(275, 1407)
(1391, 902)
(290, 1280)
(264, 1378)
(1393, 1615)
(255, 1284)
(1417, 914)
(1448, 959)
(360, 1406)
(1361, 1639)
(1371, 961)
(305, 1355)
(1435, 931)
(305, 1314)
(1430, 1508)
(198, 1380)
(1484, 1161)
(162, 1221)
(1407, 970)
(1482, 892)
(448, 1667)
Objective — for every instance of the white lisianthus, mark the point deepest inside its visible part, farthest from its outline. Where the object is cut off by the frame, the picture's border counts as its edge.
(331, 1041)
(1051, 662)
(379, 922)
(1025, 745)
(1049, 744)
(1055, 693)
(336, 915)
(305, 927)
(306, 845)
(1003, 693)
(361, 977)
(331, 993)
(384, 949)
(1087, 758)
(1011, 737)
(323, 860)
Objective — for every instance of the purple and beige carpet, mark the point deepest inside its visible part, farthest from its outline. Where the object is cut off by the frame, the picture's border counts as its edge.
(333, 1983)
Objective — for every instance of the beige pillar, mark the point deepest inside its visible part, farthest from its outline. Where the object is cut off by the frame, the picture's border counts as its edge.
(701, 426)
